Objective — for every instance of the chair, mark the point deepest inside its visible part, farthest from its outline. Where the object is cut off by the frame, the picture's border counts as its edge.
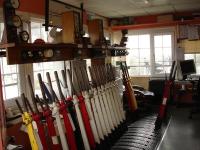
(196, 99)
(143, 96)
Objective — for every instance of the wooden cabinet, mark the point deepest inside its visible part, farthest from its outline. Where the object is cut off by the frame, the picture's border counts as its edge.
(71, 27)
(95, 28)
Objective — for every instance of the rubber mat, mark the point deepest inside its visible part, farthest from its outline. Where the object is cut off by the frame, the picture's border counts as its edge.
(141, 135)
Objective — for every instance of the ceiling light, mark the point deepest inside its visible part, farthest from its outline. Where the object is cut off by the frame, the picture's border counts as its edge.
(146, 1)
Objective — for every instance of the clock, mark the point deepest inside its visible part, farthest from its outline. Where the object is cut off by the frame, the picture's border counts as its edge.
(24, 36)
(15, 21)
(13, 4)
(48, 53)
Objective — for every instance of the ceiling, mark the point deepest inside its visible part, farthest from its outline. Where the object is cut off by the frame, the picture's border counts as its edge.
(121, 8)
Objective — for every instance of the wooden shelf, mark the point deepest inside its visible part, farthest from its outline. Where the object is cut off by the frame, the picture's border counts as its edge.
(155, 25)
(33, 53)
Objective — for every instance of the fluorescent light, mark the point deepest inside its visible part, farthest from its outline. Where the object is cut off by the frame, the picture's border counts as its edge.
(58, 29)
(146, 1)
(86, 35)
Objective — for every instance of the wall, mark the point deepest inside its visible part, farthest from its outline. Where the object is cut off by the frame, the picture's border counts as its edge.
(142, 81)
(31, 6)
(190, 46)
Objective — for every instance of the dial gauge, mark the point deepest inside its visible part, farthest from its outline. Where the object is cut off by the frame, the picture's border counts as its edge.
(14, 3)
(24, 36)
(15, 21)
(48, 53)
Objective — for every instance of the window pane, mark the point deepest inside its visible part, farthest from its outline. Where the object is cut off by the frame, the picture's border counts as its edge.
(144, 70)
(144, 41)
(1, 30)
(8, 68)
(132, 42)
(197, 58)
(163, 53)
(35, 31)
(14, 93)
(38, 31)
(167, 63)
(158, 54)
(197, 68)
(134, 71)
(189, 56)
(167, 69)
(159, 63)
(158, 41)
(167, 54)
(133, 57)
(159, 70)
(144, 55)
(167, 41)
(139, 55)
(10, 79)
(44, 67)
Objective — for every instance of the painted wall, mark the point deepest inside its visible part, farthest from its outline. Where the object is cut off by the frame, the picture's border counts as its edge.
(190, 46)
(31, 6)
(142, 81)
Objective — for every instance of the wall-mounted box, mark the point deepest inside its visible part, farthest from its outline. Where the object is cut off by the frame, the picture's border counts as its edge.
(71, 27)
(95, 28)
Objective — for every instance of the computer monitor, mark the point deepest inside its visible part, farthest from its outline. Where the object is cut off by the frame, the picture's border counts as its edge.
(187, 67)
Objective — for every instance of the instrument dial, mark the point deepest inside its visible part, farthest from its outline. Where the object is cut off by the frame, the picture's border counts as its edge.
(48, 53)
(15, 3)
(15, 21)
(24, 36)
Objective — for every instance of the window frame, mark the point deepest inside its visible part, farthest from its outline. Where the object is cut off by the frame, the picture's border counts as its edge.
(23, 71)
(139, 54)
(154, 32)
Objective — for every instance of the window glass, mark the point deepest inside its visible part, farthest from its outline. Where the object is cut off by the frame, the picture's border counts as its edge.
(144, 54)
(163, 53)
(1, 30)
(44, 67)
(9, 75)
(38, 31)
(139, 54)
(10, 79)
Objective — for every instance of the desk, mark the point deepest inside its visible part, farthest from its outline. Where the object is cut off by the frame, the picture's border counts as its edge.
(182, 92)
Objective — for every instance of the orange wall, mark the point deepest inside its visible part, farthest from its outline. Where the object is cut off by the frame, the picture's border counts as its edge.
(145, 19)
(31, 6)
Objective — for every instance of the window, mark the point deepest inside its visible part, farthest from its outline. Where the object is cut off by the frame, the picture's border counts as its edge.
(149, 54)
(10, 80)
(139, 54)
(1, 30)
(196, 58)
(44, 67)
(163, 53)
(38, 31)
(9, 75)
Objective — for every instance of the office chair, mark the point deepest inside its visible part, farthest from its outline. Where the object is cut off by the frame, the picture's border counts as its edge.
(196, 99)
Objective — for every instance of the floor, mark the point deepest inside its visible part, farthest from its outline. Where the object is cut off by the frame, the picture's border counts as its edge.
(182, 133)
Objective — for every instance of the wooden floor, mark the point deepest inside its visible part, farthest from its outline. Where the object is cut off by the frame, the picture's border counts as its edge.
(182, 133)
